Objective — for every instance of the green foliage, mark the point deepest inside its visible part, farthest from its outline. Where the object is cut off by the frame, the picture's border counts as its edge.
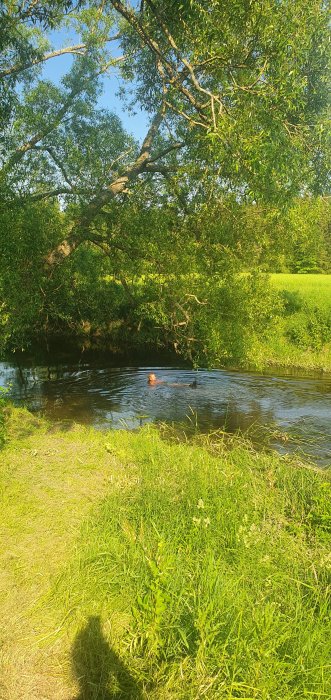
(151, 244)
(25, 233)
(320, 514)
(197, 302)
(252, 112)
(299, 337)
(307, 325)
(3, 405)
(292, 301)
(296, 239)
(310, 224)
(209, 321)
(311, 329)
(265, 74)
(23, 41)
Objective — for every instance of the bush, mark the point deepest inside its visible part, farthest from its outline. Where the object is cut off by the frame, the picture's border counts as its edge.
(292, 301)
(310, 330)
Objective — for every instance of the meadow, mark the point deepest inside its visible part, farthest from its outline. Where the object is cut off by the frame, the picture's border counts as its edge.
(299, 336)
(315, 290)
(138, 566)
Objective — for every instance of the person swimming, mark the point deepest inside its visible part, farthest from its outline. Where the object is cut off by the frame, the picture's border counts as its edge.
(153, 381)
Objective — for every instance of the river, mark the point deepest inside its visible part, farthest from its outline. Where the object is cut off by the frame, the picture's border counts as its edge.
(293, 411)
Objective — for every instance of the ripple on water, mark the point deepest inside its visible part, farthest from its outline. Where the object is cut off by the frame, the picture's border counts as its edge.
(104, 395)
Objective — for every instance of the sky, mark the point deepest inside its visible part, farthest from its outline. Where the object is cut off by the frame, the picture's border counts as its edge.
(54, 69)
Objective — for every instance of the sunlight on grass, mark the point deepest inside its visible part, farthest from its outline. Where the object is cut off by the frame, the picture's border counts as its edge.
(141, 567)
(301, 337)
(315, 289)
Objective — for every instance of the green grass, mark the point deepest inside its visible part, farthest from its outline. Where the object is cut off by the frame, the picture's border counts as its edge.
(314, 289)
(299, 338)
(139, 567)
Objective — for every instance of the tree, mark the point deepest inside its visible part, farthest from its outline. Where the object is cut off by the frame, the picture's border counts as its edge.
(237, 94)
(22, 44)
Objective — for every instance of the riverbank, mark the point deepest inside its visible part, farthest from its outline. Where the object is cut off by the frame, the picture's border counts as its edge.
(136, 566)
(295, 333)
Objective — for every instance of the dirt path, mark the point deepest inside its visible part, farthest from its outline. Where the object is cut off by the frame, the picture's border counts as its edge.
(49, 483)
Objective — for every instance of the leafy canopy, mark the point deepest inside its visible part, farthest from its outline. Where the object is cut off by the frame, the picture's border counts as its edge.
(237, 94)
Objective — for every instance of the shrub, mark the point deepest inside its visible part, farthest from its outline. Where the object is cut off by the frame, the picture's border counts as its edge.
(292, 301)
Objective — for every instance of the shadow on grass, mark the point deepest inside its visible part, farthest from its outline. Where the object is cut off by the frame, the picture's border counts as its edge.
(99, 671)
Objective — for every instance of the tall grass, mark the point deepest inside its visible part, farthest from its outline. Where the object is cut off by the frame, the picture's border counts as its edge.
(209, 575)
(141, 567)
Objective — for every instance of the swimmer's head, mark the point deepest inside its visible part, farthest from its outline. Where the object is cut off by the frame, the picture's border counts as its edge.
(151, 378)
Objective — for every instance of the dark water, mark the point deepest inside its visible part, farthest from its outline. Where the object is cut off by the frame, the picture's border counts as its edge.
(99, 393)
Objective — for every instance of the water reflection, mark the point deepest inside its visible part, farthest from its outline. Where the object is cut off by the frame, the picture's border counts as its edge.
(105, 396)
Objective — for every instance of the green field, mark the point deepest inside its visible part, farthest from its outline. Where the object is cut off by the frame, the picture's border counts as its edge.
(314, 289)
(137, 567)
(300, 336)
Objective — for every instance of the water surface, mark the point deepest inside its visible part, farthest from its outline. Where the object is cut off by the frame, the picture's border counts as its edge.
(103, 394)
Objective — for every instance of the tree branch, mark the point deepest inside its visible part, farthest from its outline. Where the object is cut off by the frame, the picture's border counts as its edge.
(17, 156)
(162, 169)
(48, 194)
(213, 97)
(57, 162)
(20, 67)
(80, 231)
(186, 116)
(79, 49)
(161, 154)
(174, 76)
(20, 152)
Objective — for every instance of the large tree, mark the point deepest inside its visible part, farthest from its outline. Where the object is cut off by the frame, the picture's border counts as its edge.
(237, 94)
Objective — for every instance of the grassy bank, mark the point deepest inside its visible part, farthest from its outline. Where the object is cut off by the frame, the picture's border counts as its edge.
(138, 567)
(300, 337)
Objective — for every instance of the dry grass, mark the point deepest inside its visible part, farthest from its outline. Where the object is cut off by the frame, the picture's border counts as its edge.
(49, 484)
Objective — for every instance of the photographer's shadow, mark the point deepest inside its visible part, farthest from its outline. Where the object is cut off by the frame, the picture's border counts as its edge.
(100, 673)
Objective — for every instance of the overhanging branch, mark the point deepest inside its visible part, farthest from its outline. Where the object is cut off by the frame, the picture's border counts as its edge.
(81, 229)
(76, 49)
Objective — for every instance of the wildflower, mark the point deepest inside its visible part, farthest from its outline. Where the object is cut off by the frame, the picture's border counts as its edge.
(206, 522)
(200, 503)
(196, 521)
